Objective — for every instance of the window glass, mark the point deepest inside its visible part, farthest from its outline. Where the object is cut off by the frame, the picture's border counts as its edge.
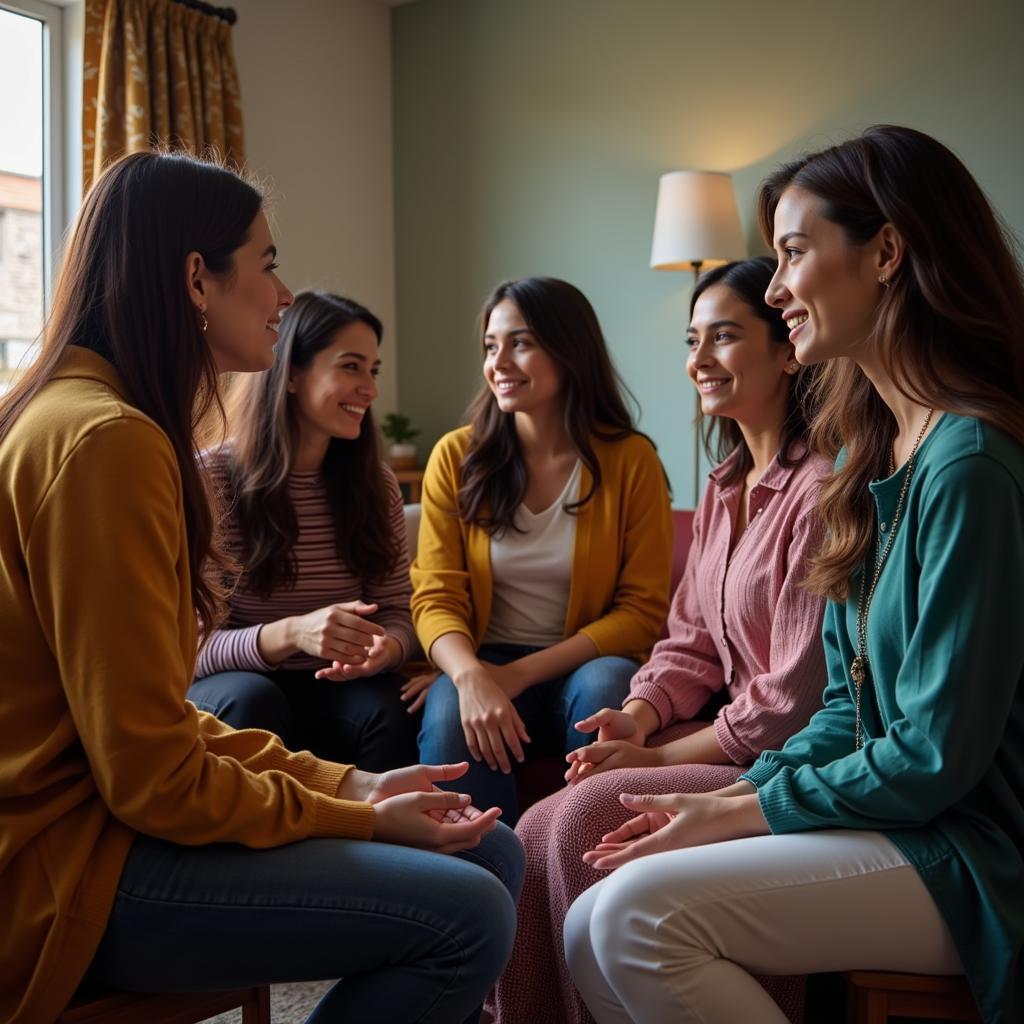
(21, 190)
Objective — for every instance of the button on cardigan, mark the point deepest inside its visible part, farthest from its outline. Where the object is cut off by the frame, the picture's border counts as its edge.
(942, 770)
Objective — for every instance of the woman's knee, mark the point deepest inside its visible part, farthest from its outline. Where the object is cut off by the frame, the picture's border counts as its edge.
(589, 810)
(502, 854)
(487, 923)
(600, 682)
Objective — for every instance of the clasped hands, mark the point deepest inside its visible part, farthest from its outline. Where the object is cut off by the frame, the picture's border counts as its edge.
(620, 744)
(342, 634)
(410, 810)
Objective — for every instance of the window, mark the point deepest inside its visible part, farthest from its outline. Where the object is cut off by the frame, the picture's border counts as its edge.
(30, 173)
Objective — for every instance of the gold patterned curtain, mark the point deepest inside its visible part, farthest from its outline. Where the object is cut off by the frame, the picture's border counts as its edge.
(157, 73)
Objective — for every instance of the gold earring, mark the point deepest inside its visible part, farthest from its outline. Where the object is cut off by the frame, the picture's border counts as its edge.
(792, 367)
(203, 322)
(883, 280)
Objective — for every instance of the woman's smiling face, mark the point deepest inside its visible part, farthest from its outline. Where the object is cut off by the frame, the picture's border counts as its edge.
(827, 289)
(737, 367)
(332, 395)
(521, 375)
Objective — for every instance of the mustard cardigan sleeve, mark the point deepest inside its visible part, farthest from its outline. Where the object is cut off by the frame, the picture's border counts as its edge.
(106, 556)
(442, 598)
(632, 515)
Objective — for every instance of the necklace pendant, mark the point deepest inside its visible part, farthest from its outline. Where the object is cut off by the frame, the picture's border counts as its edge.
(859, 669)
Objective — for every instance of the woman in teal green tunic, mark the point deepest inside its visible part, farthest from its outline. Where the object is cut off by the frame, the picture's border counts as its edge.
(889, 833)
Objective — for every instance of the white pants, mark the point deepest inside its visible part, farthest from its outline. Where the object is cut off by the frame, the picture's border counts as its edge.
(675, 936)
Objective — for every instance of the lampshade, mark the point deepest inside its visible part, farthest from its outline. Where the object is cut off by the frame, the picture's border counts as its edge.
(696, 221)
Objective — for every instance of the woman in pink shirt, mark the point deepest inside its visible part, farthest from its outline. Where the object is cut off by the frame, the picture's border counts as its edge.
(742, 667)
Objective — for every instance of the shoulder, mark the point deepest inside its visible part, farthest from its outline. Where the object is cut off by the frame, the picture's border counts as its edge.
(633, 450)
(455, 441)
(391, 485)
(449, 452)
(807, 478)
(970, 453)
(72, 419)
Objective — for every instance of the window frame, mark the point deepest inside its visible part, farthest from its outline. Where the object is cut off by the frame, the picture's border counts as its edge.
(52, 17)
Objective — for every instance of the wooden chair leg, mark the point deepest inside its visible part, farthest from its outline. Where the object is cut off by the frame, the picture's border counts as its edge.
(256, 1010)
(868, 1006)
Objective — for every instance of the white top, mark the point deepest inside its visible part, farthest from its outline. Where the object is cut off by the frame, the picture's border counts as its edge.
(532, 571)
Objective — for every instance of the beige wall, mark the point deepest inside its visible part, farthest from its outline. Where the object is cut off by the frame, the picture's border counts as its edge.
(316, 95)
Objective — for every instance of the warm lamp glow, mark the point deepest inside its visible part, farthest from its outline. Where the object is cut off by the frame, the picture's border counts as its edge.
(696, 222)
(696, 226)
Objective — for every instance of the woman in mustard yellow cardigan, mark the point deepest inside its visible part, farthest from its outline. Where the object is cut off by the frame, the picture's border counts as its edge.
(542, 576)
(146, 845)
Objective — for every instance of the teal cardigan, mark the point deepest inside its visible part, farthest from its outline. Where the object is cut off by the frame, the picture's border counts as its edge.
(942, 769)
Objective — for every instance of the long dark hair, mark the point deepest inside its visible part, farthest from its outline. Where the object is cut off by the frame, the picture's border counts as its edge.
(264, 435)
(749, 280)
(565, 325)
(122, 293)
(947, 328)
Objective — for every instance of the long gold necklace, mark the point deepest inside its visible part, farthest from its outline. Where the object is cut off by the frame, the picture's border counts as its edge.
(859, 665)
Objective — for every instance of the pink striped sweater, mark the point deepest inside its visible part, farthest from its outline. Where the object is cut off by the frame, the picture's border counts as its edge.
(322, 580)
(742, 621)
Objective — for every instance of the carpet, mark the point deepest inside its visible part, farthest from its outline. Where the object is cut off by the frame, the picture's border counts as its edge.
(289, 1004)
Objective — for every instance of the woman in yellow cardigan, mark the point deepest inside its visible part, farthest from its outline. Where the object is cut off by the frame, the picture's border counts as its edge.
(145, 845)
(542, 576)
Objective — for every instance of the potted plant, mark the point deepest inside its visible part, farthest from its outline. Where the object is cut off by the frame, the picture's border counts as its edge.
(398, 429)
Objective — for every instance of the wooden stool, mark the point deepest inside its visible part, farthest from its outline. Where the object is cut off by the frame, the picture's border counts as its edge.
(167, 1008)
(874, 996)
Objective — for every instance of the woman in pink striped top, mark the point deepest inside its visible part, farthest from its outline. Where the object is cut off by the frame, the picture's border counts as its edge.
(319, 619)
(742, 667)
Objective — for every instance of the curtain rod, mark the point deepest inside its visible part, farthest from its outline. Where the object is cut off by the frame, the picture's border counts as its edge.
(228, 14)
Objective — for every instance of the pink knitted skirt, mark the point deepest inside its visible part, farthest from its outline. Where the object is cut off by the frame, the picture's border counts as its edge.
(536, 987)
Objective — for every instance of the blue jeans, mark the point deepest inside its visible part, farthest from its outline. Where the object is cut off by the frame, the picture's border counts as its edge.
(359, 721)
(414, 936)
(548, 710)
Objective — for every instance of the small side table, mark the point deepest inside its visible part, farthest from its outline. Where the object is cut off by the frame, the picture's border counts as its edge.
(413, 480)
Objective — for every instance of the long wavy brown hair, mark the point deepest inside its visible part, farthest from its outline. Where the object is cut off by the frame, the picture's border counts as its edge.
(264, 437)
(122, 293)
(749, 280)
(947, 328)
(494, 477)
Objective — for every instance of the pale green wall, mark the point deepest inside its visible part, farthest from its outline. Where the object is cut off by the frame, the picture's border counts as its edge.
(530, 134)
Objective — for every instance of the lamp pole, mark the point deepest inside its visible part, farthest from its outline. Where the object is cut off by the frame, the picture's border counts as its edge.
(696, 226)
(696, 265)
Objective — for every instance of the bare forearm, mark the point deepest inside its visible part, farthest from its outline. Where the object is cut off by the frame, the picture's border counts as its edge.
(645, 715)
(453, 654)
(745, 817)
(558, 660)
(276, 641)
(700, 747)
(740, 788)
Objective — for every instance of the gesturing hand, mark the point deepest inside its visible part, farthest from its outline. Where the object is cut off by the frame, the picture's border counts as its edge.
(611, 725)
(439, 821)
(490, 721)
(384, 652)
(337, 633)
(676, 821)
(602, 757)
(451, 821)
(414, 778)
(416, 690)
